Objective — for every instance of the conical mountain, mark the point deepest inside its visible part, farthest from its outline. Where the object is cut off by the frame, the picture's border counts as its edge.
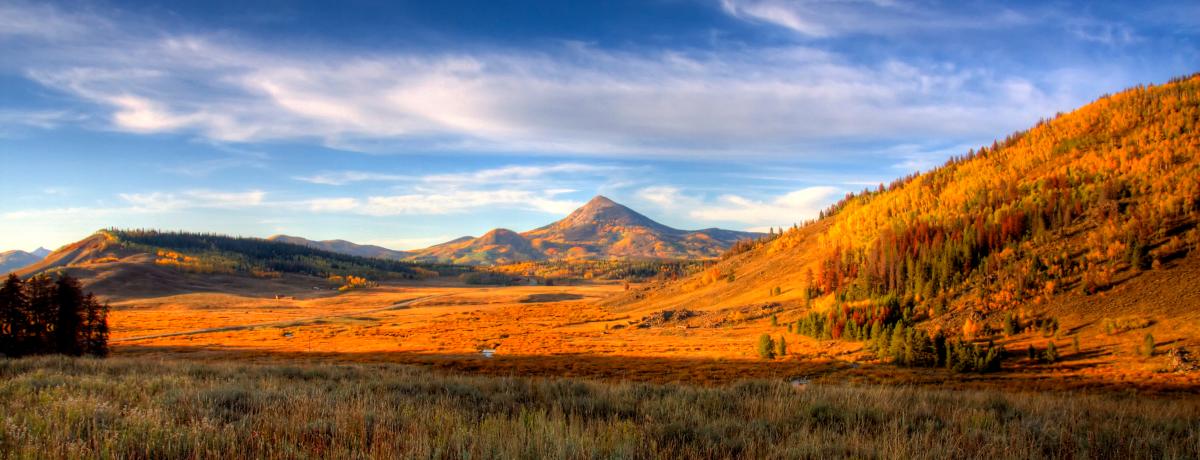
(590, 221)
(600, 229)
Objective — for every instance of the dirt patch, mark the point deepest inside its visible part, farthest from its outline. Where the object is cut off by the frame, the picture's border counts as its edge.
(550, 297)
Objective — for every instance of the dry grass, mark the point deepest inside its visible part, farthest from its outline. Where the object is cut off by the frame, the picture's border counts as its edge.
(536, 334)
(131, 408)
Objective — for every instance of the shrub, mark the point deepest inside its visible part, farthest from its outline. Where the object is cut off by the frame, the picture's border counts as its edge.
(766, 347)
(1051, 353)
(1011, 325)
(1147, 348)
(781, 348)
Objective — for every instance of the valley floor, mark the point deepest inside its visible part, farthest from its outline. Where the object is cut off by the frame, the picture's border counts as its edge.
(563, 331)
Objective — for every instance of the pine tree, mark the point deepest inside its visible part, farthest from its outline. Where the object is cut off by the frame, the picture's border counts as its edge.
(95, 337)
(14, 322)
(1051, 354)
(896, 346)
(781, 349)
(1147, 348)
(68, 298)
(766, 347)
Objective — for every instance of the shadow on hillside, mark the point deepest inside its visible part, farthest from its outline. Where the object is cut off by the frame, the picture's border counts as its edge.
(686, 370)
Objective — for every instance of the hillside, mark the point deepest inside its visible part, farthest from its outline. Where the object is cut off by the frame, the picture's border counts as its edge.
(11, 261)
(131, 263)
(601, 229)
(344, 247)
(1089, 219)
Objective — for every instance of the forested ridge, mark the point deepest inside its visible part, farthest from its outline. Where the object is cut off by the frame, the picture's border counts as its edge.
(1111, 187)
(213, 253)
(940, 261)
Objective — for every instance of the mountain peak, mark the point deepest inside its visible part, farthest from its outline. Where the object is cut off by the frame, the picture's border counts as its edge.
(601, 201)
(602, 210)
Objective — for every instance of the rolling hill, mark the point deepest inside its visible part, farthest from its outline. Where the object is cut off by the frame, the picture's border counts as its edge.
(1085, 221)
(601, 229)
(11, 261)
(132, 263)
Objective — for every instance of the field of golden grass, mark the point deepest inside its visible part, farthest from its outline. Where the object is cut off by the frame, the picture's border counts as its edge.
(568, 331)
(147, 408)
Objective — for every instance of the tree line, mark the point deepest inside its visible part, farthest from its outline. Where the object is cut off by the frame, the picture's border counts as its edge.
(45, 315)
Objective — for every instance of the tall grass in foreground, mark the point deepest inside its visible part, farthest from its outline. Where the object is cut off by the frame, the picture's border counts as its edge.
(127, 408)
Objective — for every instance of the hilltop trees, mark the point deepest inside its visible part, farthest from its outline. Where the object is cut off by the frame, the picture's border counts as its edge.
(44, 315)
(1119, 173)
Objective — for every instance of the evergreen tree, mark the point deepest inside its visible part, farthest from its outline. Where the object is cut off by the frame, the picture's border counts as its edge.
(95, 327)
(1051, 354)
(896, 346)
(766, 347)
(44, 316)
(68, 300)
(781, 349)
(14, 320)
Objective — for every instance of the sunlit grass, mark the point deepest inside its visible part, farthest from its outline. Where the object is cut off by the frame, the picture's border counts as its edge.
(129, 408)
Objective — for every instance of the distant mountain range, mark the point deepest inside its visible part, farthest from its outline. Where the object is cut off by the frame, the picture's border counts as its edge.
(144, 262)
(11, 261)
(344, 247)
(601, 229)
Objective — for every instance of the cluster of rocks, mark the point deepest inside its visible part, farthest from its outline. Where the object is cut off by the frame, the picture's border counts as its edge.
(666, 317)
(1180, 360)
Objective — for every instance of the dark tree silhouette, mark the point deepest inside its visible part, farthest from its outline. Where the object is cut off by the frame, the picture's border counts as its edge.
(42, 316)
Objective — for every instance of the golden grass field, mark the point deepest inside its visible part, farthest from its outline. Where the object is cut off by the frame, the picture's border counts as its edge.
(137, 408)
(567, 331)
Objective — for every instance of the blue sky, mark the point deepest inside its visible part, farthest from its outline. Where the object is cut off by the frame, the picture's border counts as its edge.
(409, 123)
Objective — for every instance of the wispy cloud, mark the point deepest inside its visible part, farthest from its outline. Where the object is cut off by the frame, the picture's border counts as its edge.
(826, 18)
(755, 214)
(348, 177)
(162, 202)
(452, 202)
(575, 99)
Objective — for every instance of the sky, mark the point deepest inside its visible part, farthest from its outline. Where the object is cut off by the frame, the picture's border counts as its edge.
(409, 123)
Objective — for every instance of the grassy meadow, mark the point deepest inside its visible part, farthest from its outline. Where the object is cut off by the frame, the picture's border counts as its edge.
(145, 408)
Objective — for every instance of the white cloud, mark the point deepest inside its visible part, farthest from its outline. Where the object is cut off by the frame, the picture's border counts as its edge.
(753, 214)
(663, 196)
(347, 177)
(783, 210)
(827, 18)
(450, 202)
(575, 99)
(163, 201)
(518, 174)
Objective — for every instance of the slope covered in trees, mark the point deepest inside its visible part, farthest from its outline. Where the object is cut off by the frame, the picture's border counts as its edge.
(1067, 210)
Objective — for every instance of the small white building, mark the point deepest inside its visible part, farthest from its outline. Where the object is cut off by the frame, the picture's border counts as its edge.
(487, 352)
